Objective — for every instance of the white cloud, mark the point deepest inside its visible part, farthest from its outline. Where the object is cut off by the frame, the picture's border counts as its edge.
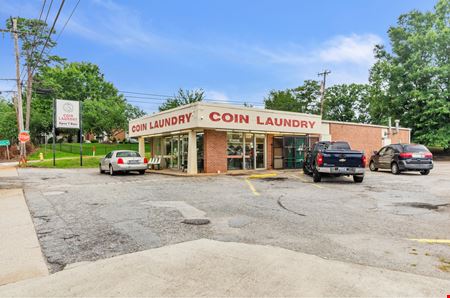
(115, 25)
(354, 49)
(216, 95)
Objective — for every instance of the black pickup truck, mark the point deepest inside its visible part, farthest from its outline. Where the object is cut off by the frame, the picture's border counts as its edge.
(334, 159)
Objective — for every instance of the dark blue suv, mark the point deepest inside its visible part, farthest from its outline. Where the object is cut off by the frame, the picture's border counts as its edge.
(402, 157)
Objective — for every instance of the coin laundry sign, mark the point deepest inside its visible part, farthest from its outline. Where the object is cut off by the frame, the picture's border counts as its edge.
(67, 114)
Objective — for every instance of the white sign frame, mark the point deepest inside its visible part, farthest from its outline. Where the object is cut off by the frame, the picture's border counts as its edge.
(67, 114)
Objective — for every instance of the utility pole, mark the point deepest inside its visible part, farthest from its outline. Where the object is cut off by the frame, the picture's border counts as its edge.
(322, 88)
(19, 88)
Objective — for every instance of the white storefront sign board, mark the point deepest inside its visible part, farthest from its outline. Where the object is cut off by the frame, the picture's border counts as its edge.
(217, 116)
(67, 114)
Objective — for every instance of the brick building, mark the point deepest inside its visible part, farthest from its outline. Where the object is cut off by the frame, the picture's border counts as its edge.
(212, 138)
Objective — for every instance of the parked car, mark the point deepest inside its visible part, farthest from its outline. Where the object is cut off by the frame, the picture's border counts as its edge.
(334, 159)
(123, 161)
(402, 157)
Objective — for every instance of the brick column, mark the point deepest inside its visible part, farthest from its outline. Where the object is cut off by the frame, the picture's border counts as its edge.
(269, 151)
(215, 151)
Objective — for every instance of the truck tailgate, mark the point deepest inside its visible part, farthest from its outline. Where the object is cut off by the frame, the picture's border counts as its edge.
(339, 158)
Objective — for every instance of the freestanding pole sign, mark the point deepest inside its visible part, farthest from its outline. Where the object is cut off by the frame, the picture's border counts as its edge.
(67, 114)
(5, 143)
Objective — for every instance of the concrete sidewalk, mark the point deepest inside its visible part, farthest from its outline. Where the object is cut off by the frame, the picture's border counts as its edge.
(20, 253)
(212, 268)
(8, 171)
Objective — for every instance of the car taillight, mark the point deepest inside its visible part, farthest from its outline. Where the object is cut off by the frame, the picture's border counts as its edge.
(429, 155)
(319, 159)
(120, 161)
(145, 160)
(405, 155)
(363, 160)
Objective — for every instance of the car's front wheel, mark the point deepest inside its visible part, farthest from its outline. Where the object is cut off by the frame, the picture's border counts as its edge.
(358, 179)
(141, 172)
(372, 167)
(424, 172)
(111, 170)
(394, 168)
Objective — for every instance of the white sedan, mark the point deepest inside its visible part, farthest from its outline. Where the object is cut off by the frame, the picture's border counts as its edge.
(123, 161)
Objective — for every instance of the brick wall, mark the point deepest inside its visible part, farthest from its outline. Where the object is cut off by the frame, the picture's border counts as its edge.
(215, 151)
(367, 138)
(401, 137)
(269, 152)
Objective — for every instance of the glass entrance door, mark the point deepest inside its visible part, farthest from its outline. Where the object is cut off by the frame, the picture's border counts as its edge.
(260, 144)
(175, 153)
(293, 152)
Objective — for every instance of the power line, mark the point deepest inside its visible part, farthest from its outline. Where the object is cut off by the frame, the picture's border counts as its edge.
(33, 44)
(49, 35)
(68, 19)
(48, 10)
(153, 96)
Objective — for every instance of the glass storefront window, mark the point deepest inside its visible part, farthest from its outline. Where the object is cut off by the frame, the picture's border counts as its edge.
(245, 151)
(249, 151)
(260, 149)
(175, 152)
(235, 151)
(168, 151)
(200, 152)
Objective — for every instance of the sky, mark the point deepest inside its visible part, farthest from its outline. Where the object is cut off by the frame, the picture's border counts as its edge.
(235, 50)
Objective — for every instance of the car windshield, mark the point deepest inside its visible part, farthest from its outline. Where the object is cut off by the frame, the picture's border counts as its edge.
(127, 154)
(415, 148)
(337, 146)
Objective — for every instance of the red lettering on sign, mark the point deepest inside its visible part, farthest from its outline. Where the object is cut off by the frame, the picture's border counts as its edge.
(303, 124)
(244, 119)
(269, 121)
(312, 123)
(181, 119)
(287, 122)
(295, 123)
(188, 117)
(214, 116)
(227, 117)
(258, 121)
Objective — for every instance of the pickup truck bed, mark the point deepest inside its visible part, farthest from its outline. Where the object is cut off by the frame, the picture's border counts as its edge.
(335, 159)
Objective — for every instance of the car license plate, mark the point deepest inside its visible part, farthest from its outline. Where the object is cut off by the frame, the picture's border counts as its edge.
(345, 170)
(133, 161)
(417, 155)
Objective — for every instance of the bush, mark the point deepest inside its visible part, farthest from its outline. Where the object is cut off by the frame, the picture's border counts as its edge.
(94, 141)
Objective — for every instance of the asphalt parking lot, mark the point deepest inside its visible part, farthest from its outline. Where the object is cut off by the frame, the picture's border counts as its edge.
(81, 215)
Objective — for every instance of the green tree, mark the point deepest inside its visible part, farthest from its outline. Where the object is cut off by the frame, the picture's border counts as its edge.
(8, 120)
(104, 109)
(33, 36)
(183, 97)
(411, 82)
(347, 102)
(303, 99)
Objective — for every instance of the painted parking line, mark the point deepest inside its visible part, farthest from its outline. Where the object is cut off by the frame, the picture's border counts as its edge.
(262, 176)
(252, 188)
(305, 181)
(317, 185)
(300, 178)
(432, 241)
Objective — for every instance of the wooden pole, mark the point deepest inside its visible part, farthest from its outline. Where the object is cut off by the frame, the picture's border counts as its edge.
(19, 88)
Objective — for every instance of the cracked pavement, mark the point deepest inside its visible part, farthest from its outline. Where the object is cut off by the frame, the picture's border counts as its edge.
(81, 215)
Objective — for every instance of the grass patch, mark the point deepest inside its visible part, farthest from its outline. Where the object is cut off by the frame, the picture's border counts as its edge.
(48, 154)
(88, 162)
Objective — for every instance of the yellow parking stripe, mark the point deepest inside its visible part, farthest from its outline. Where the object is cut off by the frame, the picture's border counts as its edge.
(440, 241)
(260, 176)
(252, 188)
(317, 185)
